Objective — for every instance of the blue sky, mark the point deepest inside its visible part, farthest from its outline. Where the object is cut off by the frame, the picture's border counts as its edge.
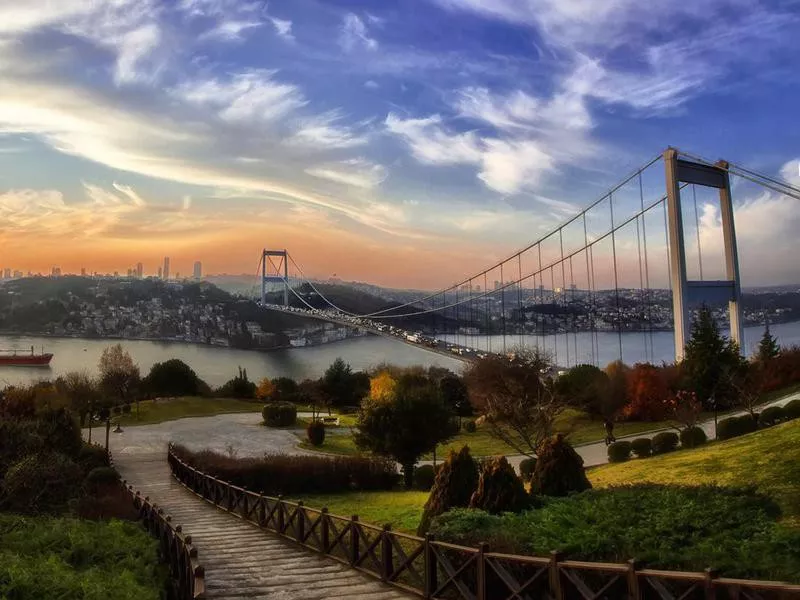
(402, 142)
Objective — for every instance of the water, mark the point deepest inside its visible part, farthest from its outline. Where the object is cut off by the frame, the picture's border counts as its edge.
(217, 365)
(570, 349)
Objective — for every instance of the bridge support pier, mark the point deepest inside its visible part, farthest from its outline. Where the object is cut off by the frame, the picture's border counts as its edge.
(272, 272)
(684, 292)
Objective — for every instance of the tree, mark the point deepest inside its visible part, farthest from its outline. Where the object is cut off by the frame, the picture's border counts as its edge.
(285, 389)
(617, 373)
(172, 378)
(119, 375)
(685, 408)
(456, 480)
(406, 425)
(455, 395)
(768, 347)
(588, 388)
(265, 389)
(342, 386)
(382, 387)
(81, 391)
(647, 393)
(238, 387)
(559, 469)
(708, 359)
(515, 398)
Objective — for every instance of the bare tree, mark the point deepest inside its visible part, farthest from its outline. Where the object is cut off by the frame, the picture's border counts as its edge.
(81, 390)
(514, 396)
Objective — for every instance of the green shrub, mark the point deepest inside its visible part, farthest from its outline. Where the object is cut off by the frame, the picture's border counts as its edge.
(296, 474)
(663, 442)
(315, 432)
(18, 439)
(126, 409)
(499, 488)
(619, 451)
(470, 426)
(41, 483)
(735, 426)
(559, 469)
(424, 476)
(101, 477)
(279, 414)
(453, 486)
(692, 437)
(92, 456)
(60, 431)
(685, 528)
(792, 409)
(642, 447)
(526, 468)
(771, 416)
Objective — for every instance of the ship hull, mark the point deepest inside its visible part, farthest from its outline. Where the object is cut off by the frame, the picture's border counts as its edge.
(40, 360)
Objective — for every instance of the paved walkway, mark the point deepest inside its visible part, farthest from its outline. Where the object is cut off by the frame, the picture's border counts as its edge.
(242, 561)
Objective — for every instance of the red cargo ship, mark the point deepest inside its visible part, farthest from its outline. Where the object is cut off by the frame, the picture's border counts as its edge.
(12, 358)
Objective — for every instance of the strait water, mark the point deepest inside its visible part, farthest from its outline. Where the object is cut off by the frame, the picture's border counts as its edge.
(217, 365)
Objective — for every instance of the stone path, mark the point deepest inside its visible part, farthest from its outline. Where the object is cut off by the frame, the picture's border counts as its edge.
(242, 561)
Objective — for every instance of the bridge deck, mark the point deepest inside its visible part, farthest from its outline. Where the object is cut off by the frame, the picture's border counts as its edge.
(241, 560)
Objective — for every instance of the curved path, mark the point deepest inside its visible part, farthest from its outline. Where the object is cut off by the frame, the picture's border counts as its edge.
(242, 561)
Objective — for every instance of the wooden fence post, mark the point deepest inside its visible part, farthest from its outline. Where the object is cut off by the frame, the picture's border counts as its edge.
(279, 510)
(483, 548)
(325, 535)
(633, 580)
(708, 584)
(555, 576)
(387, 563)
(300, 526)
(431, 575)
(354, 540)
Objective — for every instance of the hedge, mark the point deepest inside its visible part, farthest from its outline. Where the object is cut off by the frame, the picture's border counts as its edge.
(526, 468)
(693, 437)
(316, 433)
(619, 452)
(666, 441)
(423, 478)
(735, 426)
(284, 474)
(642, 447)
(771, 416)
(792, 409)
(279, 414)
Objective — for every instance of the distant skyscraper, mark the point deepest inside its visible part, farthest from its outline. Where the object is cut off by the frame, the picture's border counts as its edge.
(160, 272)
(83, 272)
(198, 269)
(166, 267)
(139, 270)
(56, 272)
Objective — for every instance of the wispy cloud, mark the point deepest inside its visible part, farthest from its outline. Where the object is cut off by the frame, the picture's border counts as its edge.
(358, 172)
(353, 34)
(325, 131)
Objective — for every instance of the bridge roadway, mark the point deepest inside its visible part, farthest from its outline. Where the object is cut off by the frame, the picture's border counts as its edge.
(242, 561)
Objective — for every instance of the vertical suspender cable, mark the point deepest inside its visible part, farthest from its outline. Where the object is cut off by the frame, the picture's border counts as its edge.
(520, 314)
(486, 315)
(697, 230)
(590, 303)
(553, 296)
(503, 305)
(647, 271)
(563, 289)
(616, 275)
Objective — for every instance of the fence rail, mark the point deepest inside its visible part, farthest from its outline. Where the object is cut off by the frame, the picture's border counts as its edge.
(439, 570)
(187, 575)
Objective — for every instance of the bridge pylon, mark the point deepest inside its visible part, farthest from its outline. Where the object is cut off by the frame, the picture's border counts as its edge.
(684, 291)
(275, 269)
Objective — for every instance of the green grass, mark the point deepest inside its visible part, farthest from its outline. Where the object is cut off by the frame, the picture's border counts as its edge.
(47, 557)
(768, 459)
(402, 509)
(151, 412)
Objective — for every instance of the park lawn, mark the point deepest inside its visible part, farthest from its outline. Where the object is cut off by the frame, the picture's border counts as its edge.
(63, 557)
(767, 459)
(400, 508)
(158, 411)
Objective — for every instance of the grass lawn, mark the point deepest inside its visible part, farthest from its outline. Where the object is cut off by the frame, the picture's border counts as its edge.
(402, 509)
(46, 557)
(768, 459)
(190, 406)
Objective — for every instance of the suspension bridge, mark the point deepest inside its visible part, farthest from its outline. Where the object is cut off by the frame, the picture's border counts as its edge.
(637, 260)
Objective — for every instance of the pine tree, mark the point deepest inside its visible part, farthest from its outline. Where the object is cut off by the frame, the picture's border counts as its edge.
(768, 347)
(710, 360)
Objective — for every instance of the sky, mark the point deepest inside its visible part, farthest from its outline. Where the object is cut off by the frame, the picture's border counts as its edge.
(406, 143)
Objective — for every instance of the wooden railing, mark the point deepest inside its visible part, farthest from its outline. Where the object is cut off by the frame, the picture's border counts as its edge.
(435, 569)
(187, 575)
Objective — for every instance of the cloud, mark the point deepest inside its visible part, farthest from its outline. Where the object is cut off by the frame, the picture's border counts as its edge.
(230, 31)
(249, 96)
(283, 28)
(353, 35)
(358, 172)
(321, 132)
(430, 143)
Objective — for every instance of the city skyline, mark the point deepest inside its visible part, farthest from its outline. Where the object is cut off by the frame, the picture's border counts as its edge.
(445, 132)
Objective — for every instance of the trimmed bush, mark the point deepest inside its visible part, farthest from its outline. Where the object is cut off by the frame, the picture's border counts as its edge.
(771, 416)
(499, 489)
(526, 468)
(279, 414)
(423, 478)
(284, 474)
(619, 452)
(470, 427)
(642, 447)
(792, 410)
(92, 456)
(693, 437)
(663, 442)
(559, 469)
(60, 431)
(101, 477)
(41, 483)
(453, 486)
(315, 432)
(735, 426)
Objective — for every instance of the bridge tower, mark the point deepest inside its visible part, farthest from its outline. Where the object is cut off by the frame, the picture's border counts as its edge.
(275, 271)
(685, 292)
